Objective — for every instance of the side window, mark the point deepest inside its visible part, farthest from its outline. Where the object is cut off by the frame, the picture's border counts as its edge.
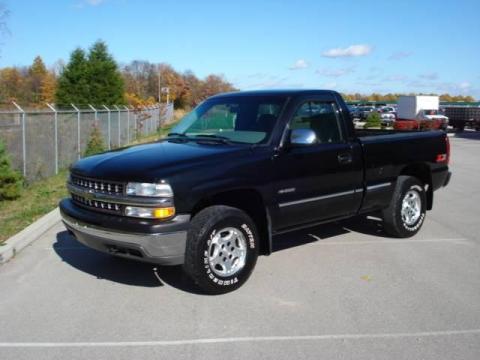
(321, 117)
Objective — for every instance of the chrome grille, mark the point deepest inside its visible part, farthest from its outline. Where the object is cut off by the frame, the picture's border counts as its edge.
(109, 187)
(98, 205)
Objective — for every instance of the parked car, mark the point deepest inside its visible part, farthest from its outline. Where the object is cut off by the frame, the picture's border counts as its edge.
(364, 111)
(387, 116)
(239, 170)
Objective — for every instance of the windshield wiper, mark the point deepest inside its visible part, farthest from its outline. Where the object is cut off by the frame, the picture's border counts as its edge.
(176, 134)
(222, 139)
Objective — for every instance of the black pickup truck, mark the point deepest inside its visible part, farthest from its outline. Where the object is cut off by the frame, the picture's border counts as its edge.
(242, 168)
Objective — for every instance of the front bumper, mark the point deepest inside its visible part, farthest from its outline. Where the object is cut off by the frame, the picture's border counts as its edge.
(150, 241)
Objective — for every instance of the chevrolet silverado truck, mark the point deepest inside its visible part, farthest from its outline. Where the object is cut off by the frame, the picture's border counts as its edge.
(242, 168)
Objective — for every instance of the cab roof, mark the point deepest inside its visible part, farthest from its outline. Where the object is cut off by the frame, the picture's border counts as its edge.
(283, 93)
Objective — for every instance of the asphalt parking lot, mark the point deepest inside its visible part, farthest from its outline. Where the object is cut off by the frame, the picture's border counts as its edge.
(336, 291)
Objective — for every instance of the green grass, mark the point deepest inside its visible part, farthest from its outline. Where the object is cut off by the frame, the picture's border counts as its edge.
(36, 200)
(42, 196)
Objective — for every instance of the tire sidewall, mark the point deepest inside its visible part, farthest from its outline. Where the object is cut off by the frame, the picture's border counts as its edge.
(208, 277)
(410, 230)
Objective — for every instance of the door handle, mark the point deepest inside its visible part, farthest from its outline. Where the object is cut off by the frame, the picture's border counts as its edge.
(344, 158)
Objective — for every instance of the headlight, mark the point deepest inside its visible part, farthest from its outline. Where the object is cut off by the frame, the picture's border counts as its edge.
(148, 189)
(150, 213)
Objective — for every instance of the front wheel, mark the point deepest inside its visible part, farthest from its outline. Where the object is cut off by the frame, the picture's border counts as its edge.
(406, 213)
(222, 249)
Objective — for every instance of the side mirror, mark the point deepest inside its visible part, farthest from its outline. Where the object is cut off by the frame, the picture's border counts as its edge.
(303, 137)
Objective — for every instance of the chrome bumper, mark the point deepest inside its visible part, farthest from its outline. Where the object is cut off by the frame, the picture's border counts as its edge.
(161, 248)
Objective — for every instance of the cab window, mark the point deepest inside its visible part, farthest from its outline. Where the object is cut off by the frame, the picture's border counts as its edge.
(321, 117)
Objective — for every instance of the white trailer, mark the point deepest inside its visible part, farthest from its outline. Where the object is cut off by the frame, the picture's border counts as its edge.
(422, 108)
(415, 107)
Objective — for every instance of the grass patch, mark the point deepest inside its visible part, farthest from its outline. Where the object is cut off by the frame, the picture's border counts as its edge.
(35, 201)
(42, 196)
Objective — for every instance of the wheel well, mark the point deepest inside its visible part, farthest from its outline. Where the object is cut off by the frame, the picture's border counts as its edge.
(248, 200)
(421, 172)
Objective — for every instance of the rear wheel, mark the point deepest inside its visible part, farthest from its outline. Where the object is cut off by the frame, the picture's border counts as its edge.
(406, 213)
(222, 249)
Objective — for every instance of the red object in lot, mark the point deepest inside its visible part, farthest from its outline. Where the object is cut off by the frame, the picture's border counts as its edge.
(407, 124)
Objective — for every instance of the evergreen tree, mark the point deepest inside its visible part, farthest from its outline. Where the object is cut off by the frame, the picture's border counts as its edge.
(105, 81)
(73, 83)
(95, 143)
(10, 180)
(373, 120)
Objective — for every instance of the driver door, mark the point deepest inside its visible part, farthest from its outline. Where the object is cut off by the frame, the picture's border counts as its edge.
(322, 180)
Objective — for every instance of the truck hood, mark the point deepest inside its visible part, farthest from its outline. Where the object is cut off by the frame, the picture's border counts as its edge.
(151, 162)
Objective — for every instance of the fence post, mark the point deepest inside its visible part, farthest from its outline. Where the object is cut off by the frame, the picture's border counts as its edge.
(136, 125)
(94, 112)
(78, 130)
(109, 130)
(119, 133)
(24, 147)
(128, 123)
(56, 136)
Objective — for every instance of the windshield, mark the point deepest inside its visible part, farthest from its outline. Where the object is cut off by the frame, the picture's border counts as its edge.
(431, 112)
(246, 119)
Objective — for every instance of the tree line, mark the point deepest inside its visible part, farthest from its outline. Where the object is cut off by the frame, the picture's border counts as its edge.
(94, 77)
(391, 98)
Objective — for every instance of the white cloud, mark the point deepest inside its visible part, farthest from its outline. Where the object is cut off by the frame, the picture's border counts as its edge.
(94, 2)
(396, 78)
(351, 51)
(335, 73)
(400, 55)
(465, 85)
(82, 3)
(299, 64)
(429, 76)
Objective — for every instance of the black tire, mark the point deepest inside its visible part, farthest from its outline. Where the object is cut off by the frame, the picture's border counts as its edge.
(394, 223)
(204, 227)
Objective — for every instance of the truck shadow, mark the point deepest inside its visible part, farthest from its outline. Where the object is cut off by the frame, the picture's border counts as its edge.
(367, 225)
(119, 270)
(471, 135)
(135, 273)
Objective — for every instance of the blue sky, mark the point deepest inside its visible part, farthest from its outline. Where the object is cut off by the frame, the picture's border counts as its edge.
(354, 46)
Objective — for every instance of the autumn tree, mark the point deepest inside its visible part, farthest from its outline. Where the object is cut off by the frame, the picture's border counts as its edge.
(11, 84)
(185, 90)
(141, 79)
(36, 76)
(214, 84)
(48, 88)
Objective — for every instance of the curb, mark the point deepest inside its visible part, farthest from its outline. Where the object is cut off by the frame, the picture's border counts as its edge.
(19, 241)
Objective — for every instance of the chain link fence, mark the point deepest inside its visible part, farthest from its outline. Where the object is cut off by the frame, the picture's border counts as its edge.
(40, 142)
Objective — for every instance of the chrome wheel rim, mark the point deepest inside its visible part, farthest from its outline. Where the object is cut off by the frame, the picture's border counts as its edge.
(227, 252)
(411, 207)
